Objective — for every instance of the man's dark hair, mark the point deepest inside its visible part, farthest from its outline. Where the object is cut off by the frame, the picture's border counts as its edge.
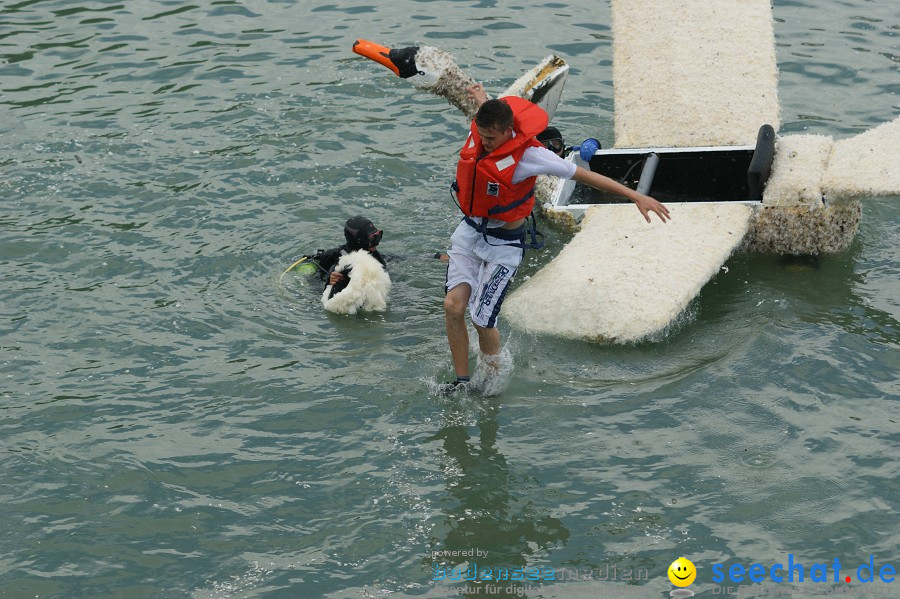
(494, 113)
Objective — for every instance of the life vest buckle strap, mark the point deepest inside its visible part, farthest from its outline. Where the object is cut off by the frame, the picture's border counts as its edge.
(454, 195)
(533, 232)
(535, 242)
(512, 205)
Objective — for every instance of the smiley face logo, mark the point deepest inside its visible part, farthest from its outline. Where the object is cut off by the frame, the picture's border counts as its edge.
(682, 572)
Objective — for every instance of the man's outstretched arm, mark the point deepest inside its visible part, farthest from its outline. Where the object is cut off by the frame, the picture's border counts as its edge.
(644, 203)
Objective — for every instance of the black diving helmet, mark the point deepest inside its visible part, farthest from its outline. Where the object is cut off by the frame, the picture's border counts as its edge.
(361, 234)
(552, 139)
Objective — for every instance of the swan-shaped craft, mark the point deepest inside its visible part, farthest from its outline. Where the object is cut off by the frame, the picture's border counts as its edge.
(705, 85)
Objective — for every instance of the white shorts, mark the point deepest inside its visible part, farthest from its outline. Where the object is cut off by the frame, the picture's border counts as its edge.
(486, 266)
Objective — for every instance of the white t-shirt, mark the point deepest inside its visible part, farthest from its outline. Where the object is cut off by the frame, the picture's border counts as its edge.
(541, 161)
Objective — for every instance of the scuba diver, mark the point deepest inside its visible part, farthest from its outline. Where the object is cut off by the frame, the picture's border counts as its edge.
(552, 139)
(360, 234)
(355, 273)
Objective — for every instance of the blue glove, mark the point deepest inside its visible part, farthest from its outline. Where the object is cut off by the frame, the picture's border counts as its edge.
(587, 148)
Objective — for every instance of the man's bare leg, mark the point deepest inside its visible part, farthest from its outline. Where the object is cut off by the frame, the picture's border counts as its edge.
(488, 340)
(455, 303)
(489, 344)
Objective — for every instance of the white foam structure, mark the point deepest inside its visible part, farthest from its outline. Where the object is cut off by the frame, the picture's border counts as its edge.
(367, 290)
(793, 218)
(865, 165)
(621, 279)
(675, 67)
(811, 203)
(796, 179)
(693, 72)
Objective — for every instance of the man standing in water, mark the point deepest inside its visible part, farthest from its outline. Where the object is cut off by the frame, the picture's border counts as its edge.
(495, 178)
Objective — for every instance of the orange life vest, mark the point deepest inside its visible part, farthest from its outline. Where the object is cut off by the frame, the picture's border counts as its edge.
(484, 182)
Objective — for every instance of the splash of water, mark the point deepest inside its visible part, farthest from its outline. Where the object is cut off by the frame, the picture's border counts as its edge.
(492, 373)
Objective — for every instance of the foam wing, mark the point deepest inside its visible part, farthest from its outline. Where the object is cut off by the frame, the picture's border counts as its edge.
(621, 279)
(691, 73)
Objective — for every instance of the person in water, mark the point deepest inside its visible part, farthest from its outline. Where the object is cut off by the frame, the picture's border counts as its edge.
(360, 234)
(495, 177)
(552, 139)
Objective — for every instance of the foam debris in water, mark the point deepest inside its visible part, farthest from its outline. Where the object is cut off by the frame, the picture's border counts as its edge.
(605, 285)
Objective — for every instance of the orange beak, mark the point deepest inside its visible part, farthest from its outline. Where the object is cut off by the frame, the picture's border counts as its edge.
(401, 62)
(378, 53)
